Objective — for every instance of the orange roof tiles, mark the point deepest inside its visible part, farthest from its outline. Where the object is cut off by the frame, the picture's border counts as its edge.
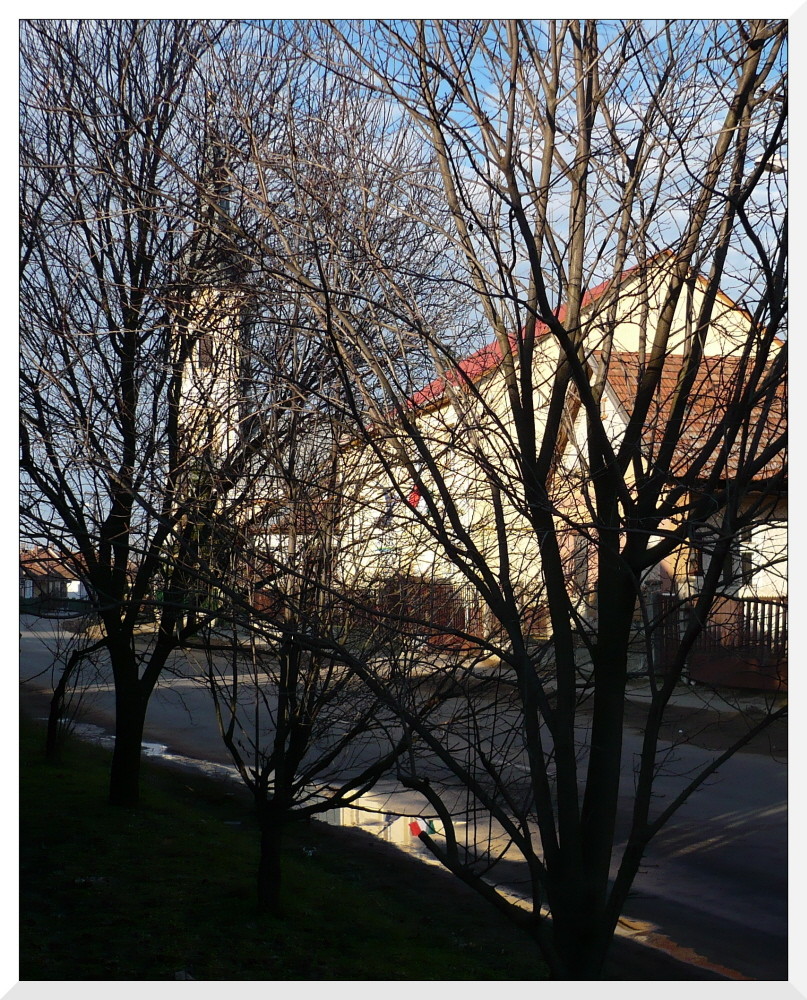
(39, 563)
(707, 408)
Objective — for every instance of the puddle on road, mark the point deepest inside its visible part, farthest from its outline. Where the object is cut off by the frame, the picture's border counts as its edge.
(96, 734)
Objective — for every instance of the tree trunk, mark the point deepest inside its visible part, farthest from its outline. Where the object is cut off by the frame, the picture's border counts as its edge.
(581, 941)
(586, 960)
(55, 713)
(130, 716)
(269, 869)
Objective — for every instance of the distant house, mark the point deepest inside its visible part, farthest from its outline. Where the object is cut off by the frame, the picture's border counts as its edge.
(45, 574)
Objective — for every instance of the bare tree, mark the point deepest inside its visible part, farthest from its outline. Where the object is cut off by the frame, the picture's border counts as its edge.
(606, 185)
(305, 734)
(590, 194)
(129, 273)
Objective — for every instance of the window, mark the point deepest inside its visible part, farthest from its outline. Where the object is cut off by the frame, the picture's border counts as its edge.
(746, 566)
(54, 587)
(739, 567)
(385, 517)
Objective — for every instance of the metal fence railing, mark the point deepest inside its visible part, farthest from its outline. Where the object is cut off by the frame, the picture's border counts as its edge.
(54, 605)
(743, 636)
(400, 604)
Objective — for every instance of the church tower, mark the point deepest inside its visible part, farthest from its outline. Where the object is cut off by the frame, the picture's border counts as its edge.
(214, 377)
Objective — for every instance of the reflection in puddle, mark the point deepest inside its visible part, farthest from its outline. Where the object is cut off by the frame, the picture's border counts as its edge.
(371, 813)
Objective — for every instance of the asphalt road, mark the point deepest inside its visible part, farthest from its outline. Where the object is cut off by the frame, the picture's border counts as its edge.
(713, 887)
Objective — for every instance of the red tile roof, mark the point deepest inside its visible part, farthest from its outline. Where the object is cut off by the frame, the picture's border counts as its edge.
(470, 369)
(707, 405)
(40, 563)
(489, 357)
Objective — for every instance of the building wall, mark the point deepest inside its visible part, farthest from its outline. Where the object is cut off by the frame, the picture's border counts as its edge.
(385, 536)
(210, 383)
(639, 305)
(768, 548)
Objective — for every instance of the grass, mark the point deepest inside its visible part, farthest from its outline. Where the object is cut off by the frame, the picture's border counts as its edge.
(123, 894)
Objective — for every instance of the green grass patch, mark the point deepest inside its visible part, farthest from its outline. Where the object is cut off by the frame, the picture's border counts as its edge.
(124, 894)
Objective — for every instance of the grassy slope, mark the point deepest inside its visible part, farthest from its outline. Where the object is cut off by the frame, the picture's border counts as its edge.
(115, 894)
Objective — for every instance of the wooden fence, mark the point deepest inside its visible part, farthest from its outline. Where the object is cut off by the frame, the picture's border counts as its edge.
(434, 610)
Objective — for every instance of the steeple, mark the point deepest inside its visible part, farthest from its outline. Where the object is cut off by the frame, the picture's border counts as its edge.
(227, 263)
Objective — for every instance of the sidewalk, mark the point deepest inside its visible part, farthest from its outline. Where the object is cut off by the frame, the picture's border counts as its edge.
(698, 696)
